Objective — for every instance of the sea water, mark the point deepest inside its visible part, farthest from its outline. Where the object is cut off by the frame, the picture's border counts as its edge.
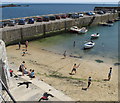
(106, 45)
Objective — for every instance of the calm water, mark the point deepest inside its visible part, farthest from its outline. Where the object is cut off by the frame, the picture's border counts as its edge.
(41, 9)
(106, 45)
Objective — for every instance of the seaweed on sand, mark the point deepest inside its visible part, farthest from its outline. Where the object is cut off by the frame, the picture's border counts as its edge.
(99, 61)
(116, 64)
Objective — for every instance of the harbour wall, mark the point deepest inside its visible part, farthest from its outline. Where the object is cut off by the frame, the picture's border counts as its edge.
(44, 29)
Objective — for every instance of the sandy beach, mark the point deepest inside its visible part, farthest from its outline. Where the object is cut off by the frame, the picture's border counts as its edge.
(54, 70)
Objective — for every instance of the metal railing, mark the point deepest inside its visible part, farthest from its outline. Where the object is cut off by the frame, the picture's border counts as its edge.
(6, 95)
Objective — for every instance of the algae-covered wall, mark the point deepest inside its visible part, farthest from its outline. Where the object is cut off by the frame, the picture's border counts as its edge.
(34, 30)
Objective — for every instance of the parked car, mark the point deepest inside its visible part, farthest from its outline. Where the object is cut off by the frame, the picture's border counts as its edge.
(46, 18)
(2, 24)
(39, 19)
(64, 16)
(11, 23)
(90, 13)
(100, 12)
(69, 15)
(21, 22)
(52, 17)
(30, 21)
(75, 16)
(81, 15)
(57, 16)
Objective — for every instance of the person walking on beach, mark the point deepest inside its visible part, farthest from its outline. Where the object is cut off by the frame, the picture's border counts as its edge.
(74, 68)
(45, 96)
(26, 45)
(109, 74)
(89, 82)
(64, 54)
(19, 45)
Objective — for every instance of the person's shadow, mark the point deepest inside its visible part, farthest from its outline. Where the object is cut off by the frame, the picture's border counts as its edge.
(105, 79)
(71, 74)
(84, 89)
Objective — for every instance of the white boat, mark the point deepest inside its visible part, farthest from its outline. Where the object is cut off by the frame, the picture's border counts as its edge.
(83, 30)
(74, 29)
(106, 24)
(78, 30)
(95, 35)
(89, 45)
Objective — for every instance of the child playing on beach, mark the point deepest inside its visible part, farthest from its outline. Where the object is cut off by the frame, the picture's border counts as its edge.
(89, 82)
(74, 68)
(109, 74)
(32, 74)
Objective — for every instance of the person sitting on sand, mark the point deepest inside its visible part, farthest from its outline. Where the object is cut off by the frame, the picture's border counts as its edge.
(109, 74)
(45, 96)
(11, 72)
(23, 53)
(25, 71)
(74, 68)
(29, 72)
(89, 82)
(32, 74)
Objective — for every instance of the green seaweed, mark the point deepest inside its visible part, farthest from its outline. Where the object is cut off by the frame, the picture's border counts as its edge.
(99, 61)
(116, 64)
(70, 77)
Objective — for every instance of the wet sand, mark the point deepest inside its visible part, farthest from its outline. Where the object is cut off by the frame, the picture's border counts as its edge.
(54, 70)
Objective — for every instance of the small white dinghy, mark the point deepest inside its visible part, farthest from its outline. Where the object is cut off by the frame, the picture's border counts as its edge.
(95, 35)
(89, 45)
(83, 30)
(78, 30)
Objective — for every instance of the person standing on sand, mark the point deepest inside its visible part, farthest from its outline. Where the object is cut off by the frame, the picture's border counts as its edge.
(109, 74)
(64, 54)
(74, 68)
(89, 82)
(22, 67)
(26, 45)
(19, 45)
(74, 44)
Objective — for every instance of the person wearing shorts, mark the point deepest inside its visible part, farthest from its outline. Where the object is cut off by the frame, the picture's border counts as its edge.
(75, 68)
(89, 82)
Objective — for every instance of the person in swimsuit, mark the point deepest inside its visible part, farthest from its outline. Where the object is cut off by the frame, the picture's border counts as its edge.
(26, 45)
(74, 68)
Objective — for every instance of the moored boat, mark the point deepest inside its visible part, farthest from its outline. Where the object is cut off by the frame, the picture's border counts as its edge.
(106, 24)
(78, 30)
(83, 30)
(95, 35)
(89, 45)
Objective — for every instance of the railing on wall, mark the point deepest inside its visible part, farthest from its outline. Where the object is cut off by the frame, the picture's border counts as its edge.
(5, 94)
